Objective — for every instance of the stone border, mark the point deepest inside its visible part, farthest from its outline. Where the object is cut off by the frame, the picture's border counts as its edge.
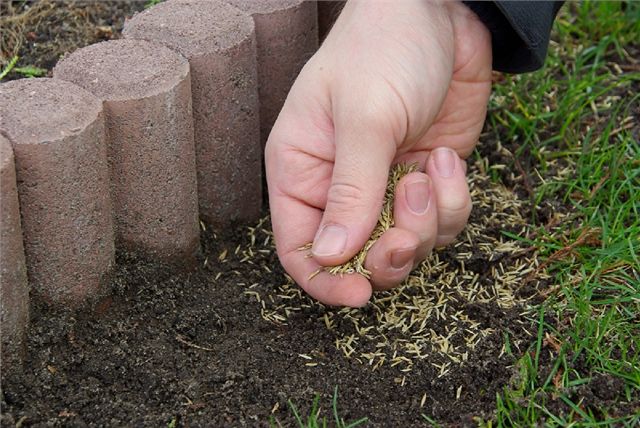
(58, 136)
(145, 89)
(14, 304)
(109, 153)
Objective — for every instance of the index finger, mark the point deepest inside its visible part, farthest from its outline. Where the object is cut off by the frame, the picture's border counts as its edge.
(299, 164)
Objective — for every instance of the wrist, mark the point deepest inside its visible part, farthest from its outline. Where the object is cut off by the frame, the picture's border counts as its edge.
(388, 11)
(366, 22)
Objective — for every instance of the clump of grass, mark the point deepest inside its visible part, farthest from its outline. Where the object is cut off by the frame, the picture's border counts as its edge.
(314, 420)
(27, 71)
(577, 133)
(385, 222)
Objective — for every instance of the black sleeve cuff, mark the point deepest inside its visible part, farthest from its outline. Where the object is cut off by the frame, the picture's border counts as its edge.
(520, 31)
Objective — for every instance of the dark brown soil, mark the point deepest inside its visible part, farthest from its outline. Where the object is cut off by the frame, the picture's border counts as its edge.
(189, 347)
(198, 350)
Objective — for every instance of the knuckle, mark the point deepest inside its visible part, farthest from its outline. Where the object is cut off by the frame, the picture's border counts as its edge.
(345, 197)
(455, 212)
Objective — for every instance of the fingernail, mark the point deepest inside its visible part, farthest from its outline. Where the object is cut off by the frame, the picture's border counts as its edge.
(400, 258)
(417, 194)
(331, 241)
(445, 162)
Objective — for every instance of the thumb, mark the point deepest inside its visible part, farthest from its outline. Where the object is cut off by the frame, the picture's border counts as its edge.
(363, 153)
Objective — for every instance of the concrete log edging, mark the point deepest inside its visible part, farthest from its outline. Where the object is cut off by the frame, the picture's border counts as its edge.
(287, 36)
(131, 157)
(14, 298)
(63, 186)
(146, 91)
(218, 40)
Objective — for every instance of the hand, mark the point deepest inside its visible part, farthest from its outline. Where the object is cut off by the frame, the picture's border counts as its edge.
(403, 81)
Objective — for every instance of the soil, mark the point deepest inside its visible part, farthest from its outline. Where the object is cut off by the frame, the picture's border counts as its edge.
(234, 342)
(206, 348)
(190, 347)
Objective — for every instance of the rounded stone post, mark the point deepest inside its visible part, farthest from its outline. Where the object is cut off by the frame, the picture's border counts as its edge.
(146, 90)
(58, 137)
(287, 36)
(14, 289)
(219, 42)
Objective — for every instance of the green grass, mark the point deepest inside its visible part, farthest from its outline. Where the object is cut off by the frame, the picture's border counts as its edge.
(576, 115)
(151, 3)
(552, 106)
(26, 71)
(315, 419)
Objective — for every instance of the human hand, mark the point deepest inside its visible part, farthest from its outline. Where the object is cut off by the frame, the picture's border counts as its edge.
(393, 82)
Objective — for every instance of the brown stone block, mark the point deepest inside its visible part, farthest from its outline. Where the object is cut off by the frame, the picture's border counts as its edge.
(58, 137)
(328, 12)
(219, 42)
(146, 90)
(14, 288)
(287, 36)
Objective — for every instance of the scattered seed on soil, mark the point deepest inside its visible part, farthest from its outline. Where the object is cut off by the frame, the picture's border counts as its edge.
(435, 313)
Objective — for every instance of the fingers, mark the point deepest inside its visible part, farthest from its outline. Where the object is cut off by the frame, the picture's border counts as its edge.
(294, 224)
(298, 175)
(415, 210)
(416, 228)
(392, 257)
(363, 153)
(446, 170)
(335, 290)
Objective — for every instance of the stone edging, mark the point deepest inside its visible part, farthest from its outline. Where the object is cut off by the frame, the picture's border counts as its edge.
(132, 140)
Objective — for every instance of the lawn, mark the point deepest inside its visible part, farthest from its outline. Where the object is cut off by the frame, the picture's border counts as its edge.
(573, 129)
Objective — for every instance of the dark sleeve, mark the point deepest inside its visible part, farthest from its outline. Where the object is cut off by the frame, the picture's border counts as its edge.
(519, 31)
